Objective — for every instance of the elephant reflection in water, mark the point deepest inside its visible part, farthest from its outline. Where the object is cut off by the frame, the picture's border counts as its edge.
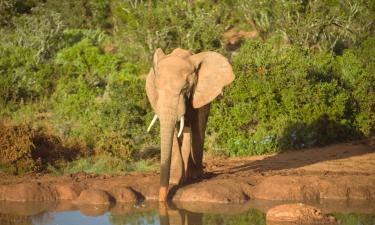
(170, 216)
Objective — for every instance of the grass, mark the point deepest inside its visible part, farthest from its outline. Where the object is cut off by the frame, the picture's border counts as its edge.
(104, 165)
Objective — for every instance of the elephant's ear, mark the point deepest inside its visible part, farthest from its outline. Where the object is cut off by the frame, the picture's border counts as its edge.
(158, 55)
(214, 72)
(150, 80)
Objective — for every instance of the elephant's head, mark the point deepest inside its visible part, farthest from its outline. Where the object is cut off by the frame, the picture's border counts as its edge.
(176, 80)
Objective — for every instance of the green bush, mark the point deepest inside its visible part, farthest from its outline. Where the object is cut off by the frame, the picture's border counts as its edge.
(101, 12)
(100, 99)
(21, 77)
(27, 44)
(358, 72)
(282, 98)
(147, 25)
(41, 31)
(76, 14)
(324, 25)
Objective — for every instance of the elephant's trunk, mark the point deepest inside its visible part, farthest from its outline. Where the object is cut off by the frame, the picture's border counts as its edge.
(168, 113)
(167, 127)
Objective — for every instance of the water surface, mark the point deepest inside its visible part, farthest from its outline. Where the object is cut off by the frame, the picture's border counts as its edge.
(153, 213)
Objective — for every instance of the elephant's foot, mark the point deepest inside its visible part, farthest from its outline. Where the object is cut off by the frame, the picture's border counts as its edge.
(163, 192)
(195, 174)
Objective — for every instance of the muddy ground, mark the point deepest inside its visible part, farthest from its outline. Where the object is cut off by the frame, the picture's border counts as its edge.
(343, 171)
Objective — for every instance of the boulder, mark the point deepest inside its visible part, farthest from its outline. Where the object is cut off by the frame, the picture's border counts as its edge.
(212, 191)
(67, 191)
(124, 194)
(94, 197)
(298, 213)
(26, 192)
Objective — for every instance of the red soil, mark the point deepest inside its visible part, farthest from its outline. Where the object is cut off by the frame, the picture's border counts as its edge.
(339, 172)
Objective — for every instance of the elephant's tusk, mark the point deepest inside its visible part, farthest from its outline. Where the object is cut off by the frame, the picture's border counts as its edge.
(152, 123)
(182, 121)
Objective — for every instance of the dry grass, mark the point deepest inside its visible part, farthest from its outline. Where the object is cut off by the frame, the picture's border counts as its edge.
(16, 144)
(25, 149)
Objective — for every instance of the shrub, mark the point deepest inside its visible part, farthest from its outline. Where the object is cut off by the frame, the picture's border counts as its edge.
(24, 148)
(358, 72)
(124, 114)
(21, 77)
(41, 31)
(282, 98)
(15, 147)
(75, 14)
(147, 25)
(324, 25)
(100, 98)
(101, 12)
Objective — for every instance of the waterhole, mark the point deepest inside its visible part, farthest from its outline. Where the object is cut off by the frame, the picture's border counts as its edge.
(154, 213)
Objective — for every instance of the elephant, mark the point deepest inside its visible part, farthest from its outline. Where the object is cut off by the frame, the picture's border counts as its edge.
(180, 87)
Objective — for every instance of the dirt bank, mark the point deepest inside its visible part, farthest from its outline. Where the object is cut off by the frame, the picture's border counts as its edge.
(338, 172)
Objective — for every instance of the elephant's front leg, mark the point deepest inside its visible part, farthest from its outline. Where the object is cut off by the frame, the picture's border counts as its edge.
(186, 150)
(177, 165)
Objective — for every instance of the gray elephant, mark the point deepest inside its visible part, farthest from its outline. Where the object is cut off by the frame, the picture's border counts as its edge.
(180, 87)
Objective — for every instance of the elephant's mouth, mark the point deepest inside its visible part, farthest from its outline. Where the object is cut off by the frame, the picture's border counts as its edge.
(182, 124)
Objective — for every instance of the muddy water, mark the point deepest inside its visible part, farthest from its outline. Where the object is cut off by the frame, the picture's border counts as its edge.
(153, 213)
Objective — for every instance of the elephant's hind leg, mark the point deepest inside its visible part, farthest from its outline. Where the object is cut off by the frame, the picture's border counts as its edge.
(198, 129)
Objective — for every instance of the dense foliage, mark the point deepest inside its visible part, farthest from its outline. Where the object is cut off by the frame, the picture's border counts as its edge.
(75, 70)
(286, 98)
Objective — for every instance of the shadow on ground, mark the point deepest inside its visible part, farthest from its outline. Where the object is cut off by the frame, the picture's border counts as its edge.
(302, 158)
(316, 136)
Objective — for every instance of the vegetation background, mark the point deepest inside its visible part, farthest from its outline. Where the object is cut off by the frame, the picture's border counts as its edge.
(72, 77)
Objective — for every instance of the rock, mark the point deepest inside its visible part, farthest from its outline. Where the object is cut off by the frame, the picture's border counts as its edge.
(297, 214)
(218, 191)
(26, 192)
(94, 197)
(312, 187)
(124, 194)
(67, 191)
(279, 188)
